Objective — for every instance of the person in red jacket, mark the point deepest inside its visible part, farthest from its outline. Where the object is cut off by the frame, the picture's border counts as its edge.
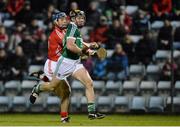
(162, 7)
(3, 37)
(15, 6)
(99, 33)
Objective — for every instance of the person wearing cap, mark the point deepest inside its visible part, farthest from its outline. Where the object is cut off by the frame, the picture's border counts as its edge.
(69, 62)
(55, 46)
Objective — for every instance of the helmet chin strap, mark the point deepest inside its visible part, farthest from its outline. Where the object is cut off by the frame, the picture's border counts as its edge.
(58, 26)
(80, 26)
(75, 21)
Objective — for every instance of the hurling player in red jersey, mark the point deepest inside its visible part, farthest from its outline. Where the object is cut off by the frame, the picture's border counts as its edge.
(55, 46)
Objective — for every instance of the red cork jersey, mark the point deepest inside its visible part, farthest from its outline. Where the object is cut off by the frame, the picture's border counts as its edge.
(55, 44)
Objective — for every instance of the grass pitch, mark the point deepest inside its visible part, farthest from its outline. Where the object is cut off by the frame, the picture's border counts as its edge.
(81, 120)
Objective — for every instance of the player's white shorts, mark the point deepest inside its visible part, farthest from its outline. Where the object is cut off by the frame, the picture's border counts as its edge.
(66, 67)
(49, 68)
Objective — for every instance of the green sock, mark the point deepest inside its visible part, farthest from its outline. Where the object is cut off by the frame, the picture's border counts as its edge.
(91, 107)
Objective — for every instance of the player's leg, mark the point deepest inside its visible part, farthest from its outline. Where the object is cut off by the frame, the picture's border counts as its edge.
(83, 76)
(42, 87)
(60, 87)
(63, 70)
(63, 91)
(44, 75)
(49, 68)
(49, 86)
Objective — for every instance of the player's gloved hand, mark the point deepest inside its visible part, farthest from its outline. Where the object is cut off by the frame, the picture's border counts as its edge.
(91, 52)
(83, 52)
(86, 53)
(84, 57)
(94, 45)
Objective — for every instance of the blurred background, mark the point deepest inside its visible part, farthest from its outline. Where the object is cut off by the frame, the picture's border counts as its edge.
(140, 74)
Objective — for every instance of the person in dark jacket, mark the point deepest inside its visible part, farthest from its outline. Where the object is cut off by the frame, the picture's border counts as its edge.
(145, 48)
(165, 36)
(18, 64)
(118, 64)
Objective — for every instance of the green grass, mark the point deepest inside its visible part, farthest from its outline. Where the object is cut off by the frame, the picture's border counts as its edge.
(81, 120)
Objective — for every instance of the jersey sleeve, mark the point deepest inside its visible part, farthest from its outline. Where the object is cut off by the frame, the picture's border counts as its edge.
(71, 31)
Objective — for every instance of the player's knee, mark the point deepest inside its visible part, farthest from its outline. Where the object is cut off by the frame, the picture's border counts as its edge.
(53, 86)
(52, 89)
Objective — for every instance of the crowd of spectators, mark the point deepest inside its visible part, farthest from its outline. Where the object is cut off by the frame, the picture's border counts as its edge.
(111, 23)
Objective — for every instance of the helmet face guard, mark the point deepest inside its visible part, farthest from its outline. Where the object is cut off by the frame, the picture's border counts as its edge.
(76, 13)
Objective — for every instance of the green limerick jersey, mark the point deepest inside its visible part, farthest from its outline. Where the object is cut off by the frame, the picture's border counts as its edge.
(72, 32)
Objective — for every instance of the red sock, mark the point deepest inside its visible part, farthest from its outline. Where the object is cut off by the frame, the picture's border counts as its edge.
(64, 114)
(45, 79)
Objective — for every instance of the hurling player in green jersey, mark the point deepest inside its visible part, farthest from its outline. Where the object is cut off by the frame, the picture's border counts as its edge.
(69, 63)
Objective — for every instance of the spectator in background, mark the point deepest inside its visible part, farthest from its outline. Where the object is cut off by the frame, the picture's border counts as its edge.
(37, 36)
(74, 6)
(61, 4)
(176, 10)
(165, 36)
(35, 31)
(15, 6)
(49, 29)
(93, 14)
(3, 4)
(115, 33)
(15, 38)
(115, 4)
(3, 14)
(162, 8)
(51, 8)
(142, 19)
(166, 70)
(100, 32)
(177, 61)
(40, 5)
(4, 65)
(41, 51)
(48, 14)
(177, 34)
(28, 45)
(111, 7)
(145, 48)
(19, 66)
(26, 14)
(125, 19)
(119, 60)
(3, 37)
(129, 49)
(177, 38)
(99, 69)
(144, 5)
